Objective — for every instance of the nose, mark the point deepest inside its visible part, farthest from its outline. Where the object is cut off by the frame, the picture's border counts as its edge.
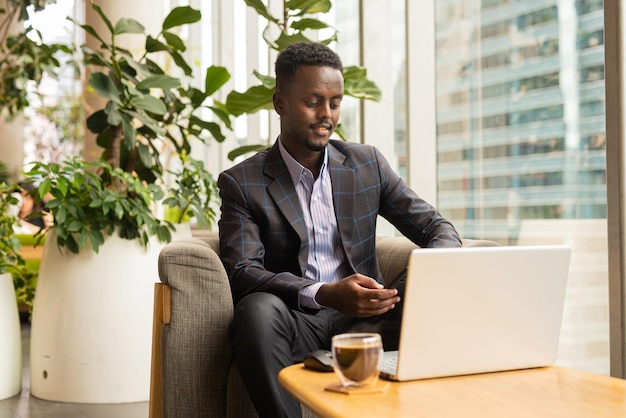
(324, 111)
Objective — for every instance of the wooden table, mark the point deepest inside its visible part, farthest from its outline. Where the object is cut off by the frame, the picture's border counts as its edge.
(542, 392)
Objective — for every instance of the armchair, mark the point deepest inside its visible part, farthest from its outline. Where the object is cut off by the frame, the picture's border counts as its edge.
(192, 370)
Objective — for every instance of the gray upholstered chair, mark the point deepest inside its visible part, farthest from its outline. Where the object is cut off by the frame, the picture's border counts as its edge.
(192, 370)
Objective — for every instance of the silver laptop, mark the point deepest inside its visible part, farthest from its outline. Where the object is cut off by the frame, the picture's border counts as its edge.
(478, 310)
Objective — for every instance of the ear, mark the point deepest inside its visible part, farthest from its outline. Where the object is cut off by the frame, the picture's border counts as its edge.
(278, 103)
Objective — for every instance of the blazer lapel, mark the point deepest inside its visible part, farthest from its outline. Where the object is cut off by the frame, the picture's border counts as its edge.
(284, 194)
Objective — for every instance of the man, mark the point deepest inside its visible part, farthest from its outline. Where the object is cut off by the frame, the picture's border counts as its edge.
(297, 232)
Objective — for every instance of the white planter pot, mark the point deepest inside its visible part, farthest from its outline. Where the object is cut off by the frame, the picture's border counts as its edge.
(92, 323)
(11, 337)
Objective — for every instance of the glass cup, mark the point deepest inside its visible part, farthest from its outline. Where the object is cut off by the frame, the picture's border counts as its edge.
(356, 357)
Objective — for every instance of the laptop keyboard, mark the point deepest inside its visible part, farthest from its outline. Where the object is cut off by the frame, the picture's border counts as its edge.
(389, 362)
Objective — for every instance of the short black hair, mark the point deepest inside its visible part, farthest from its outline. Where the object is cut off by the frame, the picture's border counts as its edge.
(305, 53)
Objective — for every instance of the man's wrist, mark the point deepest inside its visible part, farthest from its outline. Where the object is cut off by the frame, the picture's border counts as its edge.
(321, 296)
(307, 296)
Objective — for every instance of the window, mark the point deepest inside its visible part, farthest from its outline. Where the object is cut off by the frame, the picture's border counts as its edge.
(494, 111)
(521, 142)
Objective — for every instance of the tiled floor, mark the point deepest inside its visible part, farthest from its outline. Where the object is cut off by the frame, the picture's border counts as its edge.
(26, 406)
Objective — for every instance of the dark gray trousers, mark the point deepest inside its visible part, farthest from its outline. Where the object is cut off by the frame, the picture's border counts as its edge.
(268, 336)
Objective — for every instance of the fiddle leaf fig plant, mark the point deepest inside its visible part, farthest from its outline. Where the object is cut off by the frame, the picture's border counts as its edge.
(298, 16)
(148, 110)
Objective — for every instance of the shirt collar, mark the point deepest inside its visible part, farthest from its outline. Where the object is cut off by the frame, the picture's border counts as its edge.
(296, 170)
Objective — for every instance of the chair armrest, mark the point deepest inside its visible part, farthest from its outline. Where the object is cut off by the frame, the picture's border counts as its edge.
(161, 316)
(195, 344)
(393, 252)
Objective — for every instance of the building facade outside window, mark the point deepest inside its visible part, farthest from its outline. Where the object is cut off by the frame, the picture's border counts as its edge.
(521, 142)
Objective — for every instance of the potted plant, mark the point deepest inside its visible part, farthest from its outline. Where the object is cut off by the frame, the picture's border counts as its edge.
(105, 221)
(13, 275)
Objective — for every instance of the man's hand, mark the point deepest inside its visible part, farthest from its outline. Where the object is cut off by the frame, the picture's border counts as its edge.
(358, 295)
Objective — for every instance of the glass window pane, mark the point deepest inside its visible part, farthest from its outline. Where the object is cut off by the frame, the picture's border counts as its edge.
(521, 142)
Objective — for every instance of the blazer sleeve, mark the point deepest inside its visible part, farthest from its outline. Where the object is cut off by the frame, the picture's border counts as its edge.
(414, 217)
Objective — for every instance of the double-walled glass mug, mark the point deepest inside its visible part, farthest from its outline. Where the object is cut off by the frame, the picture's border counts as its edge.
(356, 357)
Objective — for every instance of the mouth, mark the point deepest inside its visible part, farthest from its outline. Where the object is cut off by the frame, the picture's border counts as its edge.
(322, 129)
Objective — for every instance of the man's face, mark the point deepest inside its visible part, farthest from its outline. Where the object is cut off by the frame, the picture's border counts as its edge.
(309, 106)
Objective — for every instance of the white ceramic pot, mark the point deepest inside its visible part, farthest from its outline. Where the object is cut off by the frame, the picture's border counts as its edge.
(92, 323)
(11, 337)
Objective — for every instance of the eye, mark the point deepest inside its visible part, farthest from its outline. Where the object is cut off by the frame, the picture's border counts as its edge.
(335, 105)
(310, 104)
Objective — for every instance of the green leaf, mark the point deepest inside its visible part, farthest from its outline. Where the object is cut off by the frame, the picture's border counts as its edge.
(330, 40)
(146, 120)
(144, 155)
(357, 85)
(104, 18)
(354, 72)
(126, 25)
(104, 86)
(216, 132)
(82, 239)
(212, 127)
(180, 61)
(309, 6)
(63, 185)
(222, 113)
(245, 150)
(196, 97)
(181, 16)
(94, 57)
(313, 24)
(174, 41)
(114, 117)
(154, 45)
(119, 210)
(284, 39)
(266, 80)
(215, 78)
(261, 10)
(142, 70)
(365, 89)
(71, 244)
(44, 187)
(104, 138)
(74, 226)
(160, 81)
(149, 104)
(130, 134)
(253, 100)
(97, 121)
(89, 29)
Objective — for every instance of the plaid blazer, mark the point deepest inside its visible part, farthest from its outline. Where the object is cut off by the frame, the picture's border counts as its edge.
(263, 237)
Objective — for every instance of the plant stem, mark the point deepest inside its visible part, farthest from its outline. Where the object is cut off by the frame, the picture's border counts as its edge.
(117, 135)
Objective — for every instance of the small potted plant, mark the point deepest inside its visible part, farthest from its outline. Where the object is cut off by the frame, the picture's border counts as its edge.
(11, 261)
(13, 276)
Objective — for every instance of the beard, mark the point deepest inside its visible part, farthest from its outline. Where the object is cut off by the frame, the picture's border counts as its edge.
(316, 143)
(315, 146)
